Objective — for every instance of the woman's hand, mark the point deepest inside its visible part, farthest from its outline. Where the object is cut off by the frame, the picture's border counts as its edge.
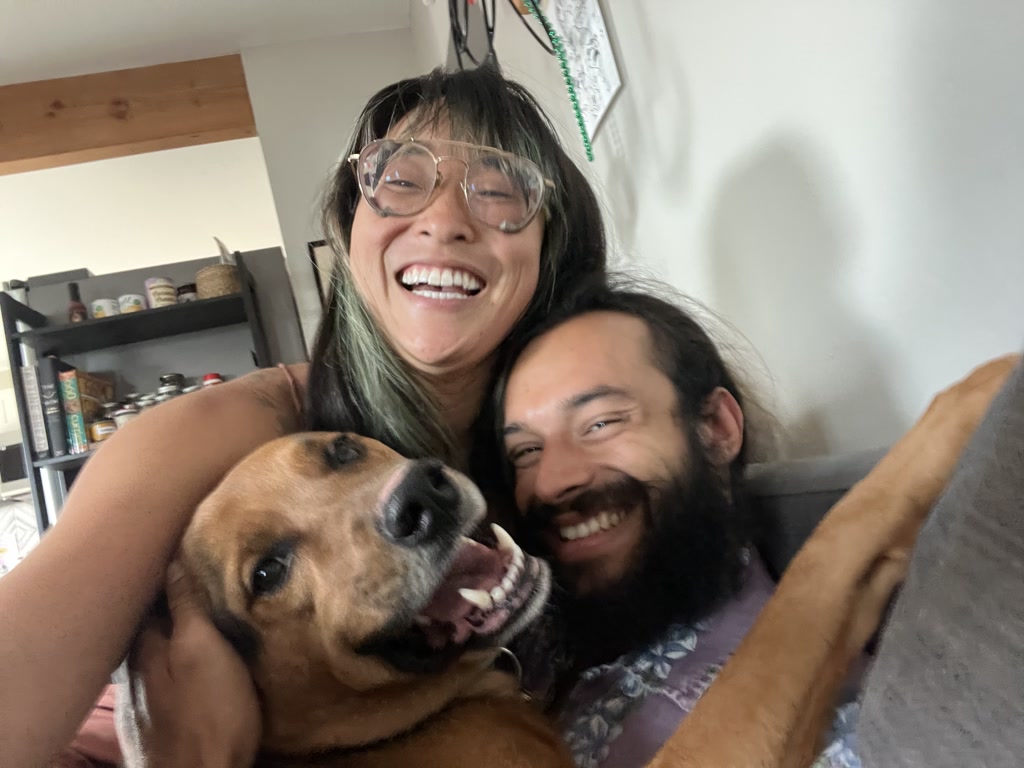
(201, 705)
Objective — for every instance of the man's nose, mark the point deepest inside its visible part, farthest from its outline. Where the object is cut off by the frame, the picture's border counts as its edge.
(447, 215)
(563, 470)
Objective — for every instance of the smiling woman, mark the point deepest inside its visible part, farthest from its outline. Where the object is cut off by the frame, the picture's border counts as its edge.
(452, 222)
(422, 299)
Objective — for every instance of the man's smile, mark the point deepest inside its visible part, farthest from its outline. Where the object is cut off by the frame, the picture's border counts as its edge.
(575, 537)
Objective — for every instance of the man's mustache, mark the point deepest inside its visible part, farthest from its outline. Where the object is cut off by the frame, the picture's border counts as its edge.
(624, 492)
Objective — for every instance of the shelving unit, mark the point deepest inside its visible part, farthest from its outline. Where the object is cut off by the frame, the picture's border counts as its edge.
(62, 463)
(46, 338)
(134, 327)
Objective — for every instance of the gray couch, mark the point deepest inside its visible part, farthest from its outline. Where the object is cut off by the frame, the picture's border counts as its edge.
(791, 497)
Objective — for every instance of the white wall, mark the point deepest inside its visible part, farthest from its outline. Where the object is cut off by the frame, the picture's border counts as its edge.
(431, 34)
(130, 212)
(842, 181)
(306, 98)
(133, 211)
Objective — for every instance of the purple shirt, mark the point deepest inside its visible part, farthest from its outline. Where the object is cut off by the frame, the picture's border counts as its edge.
(618, 715)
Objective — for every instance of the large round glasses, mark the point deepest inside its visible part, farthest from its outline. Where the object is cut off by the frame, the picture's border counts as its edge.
(502, 190)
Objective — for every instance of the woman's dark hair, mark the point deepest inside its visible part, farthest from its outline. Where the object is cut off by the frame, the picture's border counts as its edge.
(357, 382)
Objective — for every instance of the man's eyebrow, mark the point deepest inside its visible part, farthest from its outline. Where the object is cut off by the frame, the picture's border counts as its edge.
(597, 393)
(574, 403)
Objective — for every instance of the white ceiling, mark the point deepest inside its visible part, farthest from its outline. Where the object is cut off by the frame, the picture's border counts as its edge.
(43, 39)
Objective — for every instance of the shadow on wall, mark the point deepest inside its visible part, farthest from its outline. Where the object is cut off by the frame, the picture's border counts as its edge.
(781, 251)
(643, 146)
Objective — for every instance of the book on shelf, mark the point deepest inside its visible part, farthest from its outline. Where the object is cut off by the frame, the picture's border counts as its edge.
(34, 404)
(83, 395)
(49, 370)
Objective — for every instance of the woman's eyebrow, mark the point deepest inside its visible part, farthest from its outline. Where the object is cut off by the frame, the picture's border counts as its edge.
(576, 402)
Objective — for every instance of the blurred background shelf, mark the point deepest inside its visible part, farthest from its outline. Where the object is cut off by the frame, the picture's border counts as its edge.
(64, 462)
(224, 334)
(134, 327)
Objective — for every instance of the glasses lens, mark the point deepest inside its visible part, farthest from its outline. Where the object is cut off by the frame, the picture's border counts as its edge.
(396, 178)
(504, 191)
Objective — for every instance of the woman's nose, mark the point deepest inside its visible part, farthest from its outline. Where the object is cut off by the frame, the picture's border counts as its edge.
(447, 216)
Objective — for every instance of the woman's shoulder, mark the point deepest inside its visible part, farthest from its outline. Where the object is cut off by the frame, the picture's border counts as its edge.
(282, 389)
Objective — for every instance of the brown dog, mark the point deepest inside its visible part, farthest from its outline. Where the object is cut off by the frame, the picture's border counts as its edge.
(371, 623)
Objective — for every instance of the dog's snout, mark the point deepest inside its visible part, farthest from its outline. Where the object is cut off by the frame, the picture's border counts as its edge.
(423, 506)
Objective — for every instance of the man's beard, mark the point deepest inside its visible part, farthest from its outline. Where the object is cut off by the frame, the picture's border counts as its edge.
(690, 561)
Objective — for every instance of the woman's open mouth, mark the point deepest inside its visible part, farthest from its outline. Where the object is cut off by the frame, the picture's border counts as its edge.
(444, 283)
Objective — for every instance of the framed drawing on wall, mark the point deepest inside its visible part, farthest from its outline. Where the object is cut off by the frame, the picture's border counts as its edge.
(322, 258)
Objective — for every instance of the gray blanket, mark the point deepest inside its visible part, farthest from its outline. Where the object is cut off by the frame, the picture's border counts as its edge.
(947, 688)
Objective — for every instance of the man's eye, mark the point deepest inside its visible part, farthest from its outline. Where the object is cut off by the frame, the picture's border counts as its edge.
(598, 425)
(518, 455)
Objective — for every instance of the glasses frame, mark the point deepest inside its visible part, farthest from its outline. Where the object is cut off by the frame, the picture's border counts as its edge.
(438, 176)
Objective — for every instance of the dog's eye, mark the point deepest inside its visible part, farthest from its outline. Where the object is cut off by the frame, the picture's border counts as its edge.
(343, 450)
(270, 574)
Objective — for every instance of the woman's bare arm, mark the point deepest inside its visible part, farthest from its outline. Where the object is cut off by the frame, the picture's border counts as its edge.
(71, 607)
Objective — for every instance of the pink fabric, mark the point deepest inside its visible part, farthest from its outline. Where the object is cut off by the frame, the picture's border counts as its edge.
(95, 746)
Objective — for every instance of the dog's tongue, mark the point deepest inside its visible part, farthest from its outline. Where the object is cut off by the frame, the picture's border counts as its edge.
(476, 567)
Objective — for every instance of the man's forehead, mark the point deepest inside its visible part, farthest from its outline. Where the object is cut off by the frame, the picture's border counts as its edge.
(598, 342)
(598, 355)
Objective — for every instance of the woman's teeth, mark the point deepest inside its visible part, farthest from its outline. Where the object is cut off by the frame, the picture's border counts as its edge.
(596, 524)
(437, 283)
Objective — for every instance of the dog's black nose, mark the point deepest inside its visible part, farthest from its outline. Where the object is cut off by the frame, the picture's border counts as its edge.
(423, 507)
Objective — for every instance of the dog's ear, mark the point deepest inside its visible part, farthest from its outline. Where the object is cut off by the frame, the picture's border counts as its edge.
(240, 633)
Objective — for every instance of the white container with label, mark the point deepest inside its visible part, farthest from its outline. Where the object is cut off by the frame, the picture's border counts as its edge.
(161, 292)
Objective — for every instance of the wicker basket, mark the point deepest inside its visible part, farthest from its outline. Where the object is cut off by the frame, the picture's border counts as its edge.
(217, 280)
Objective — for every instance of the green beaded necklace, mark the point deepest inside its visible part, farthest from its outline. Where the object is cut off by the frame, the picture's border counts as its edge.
(556, 43)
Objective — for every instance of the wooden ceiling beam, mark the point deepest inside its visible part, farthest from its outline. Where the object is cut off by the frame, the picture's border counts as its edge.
(50, 123)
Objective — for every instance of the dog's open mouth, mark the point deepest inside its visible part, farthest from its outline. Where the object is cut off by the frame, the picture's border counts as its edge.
(487, 594)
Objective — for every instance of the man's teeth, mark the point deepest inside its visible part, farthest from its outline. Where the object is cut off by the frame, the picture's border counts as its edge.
(596, 524)
(485, 600)
(440, 278)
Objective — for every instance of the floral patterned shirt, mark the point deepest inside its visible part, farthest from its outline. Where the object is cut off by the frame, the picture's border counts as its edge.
(618, 715)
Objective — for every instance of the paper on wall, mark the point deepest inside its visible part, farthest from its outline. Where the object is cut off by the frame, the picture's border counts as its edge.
(588, 51)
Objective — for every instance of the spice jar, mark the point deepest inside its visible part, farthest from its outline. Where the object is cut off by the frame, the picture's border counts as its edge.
(101, 430)
(210, 379)
(131, 302)
(105, 308)
(187, 293)
(123, 415)
(172, 379)
(161, 292)
(167, 391)
(76, 309)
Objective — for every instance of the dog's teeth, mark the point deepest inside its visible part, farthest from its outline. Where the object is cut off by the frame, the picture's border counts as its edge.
(498, 595)
(505, 541)
(466, 541)
(421, 621)
(507, 584)
(477, 597)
